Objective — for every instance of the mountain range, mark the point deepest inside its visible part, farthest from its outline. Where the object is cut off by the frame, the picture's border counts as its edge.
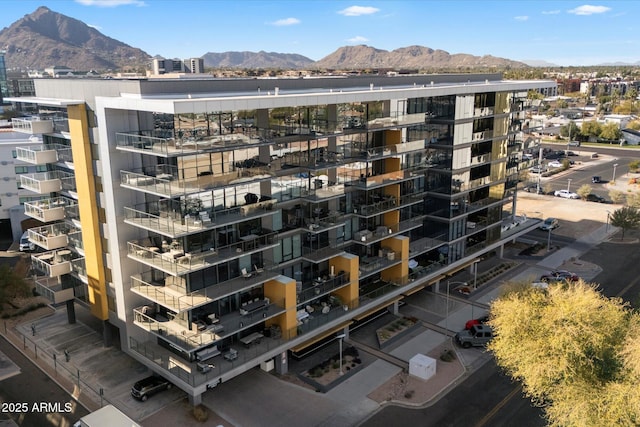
(46, 38)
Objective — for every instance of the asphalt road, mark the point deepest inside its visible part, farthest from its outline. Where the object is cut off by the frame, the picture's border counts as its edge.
(31, 398)
(486, 398)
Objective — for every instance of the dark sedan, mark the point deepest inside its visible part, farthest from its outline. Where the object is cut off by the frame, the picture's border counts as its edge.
(595, 198)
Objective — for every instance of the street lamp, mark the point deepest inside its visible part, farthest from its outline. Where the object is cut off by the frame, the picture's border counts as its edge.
(615, 165)
(475, 273)
(608, 215)
(341, 338)
(568, 184)
(549, 240)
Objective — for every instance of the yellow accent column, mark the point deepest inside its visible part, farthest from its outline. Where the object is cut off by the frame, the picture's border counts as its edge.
(282, 290)
(349, 264)
(88, 208)
(399, 272)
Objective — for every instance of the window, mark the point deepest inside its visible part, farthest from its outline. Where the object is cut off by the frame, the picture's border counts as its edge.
(21, 169)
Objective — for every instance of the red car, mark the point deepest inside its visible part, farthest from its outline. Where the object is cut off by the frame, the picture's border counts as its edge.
(478, 321)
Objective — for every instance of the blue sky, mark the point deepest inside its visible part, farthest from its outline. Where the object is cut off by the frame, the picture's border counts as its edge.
(560, 32)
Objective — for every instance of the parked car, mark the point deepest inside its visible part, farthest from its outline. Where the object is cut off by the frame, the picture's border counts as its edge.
(538, 169)
(571, 153)
(549, 224)
(559, 276)
(479, 321)
(595, 198)
(596, 180)
(566, 194)
(477, 336)
(574, 144)
(149, 386)
(533, 188)
(25, 243)
(555, 164)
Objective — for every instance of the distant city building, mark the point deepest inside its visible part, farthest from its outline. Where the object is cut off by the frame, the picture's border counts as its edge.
(167, 66)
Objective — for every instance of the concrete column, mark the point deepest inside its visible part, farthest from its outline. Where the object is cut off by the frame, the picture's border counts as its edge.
(107, 333)
(393, 309)
(195, 400)
(71, 312)
(345, 331)
(501, 251)
(436, 286)
(281, 363)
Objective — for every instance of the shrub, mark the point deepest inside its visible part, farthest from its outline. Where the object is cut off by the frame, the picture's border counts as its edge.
(201, 413)
(408, 394)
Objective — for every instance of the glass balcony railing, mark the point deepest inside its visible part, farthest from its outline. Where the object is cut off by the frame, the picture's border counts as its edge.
(173, 223)
(32, 125)
(47, 210)
(53, 290)
(317, 254)
(176, 298)
(42, 183)
(53, 263)
(367, 237)
(176, 261)
(319, 288)
(37, 155)
(167, 185)
(176, 143)
(50, 237)
(199, 336)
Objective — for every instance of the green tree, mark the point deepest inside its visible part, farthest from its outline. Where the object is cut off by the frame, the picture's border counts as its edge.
(626, 217)
(574, 350)
(584, 191)
(616, 196)
(634, 165)
(591, 128)
(570, 130)
(635, 125)
(610, 131)
(633, 199)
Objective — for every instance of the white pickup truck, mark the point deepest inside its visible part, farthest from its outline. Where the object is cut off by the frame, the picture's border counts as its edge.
(107, 416)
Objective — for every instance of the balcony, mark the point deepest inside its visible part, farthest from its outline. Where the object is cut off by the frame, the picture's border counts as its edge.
(386, 203)
(48, 182)
(166, 184)
(384, 179)
(318, 254)
(192, 339)
(164, 144)
(79, 269)
(169, 294)
(50, 237)
(425, 244)
(372, 265)
(37, 155)
(480, 136)
(480, 159)
(173, 223)
(177, 262)
(367, 237)
(321, 287)
(54, 263)
(32, 125)
(48, 210)
(323, 192)
(52, 289)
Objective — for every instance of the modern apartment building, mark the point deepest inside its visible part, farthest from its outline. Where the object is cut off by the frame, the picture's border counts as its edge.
(168, 66)
(246, 220)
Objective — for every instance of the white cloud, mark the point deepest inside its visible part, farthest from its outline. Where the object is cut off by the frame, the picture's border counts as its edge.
(285, 22)
(111, 3)
(521, 18)
(358, 39)
(358, 10)
(551, 12)
(588, 9)
(97, 27)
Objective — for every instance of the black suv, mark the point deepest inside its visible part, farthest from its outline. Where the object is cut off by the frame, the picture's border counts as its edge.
(596, 179)
(149, 386)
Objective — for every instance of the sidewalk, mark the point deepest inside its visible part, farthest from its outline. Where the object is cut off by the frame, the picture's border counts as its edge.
(280, 403)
